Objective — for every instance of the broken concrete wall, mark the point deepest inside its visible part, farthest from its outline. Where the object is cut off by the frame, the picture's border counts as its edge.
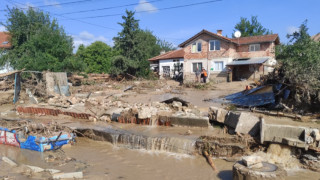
(242, 122)
(57, 83)
(301, 137)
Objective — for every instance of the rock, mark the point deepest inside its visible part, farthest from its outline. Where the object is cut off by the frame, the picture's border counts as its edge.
(316, 134)
(251, 160)
(52, 171)
(78, 175)
(35, 169)
(9, 161)
(218, 114)
(177, 105)
(311, 162)
(146, 112)
(105, 118)
(93, 119)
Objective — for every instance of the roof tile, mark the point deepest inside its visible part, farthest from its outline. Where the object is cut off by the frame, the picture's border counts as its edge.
(169, 55)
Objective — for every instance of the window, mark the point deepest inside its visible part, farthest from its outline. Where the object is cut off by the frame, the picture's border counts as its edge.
(218, 65)
(214, 45)
(5, 42)
(254, 47)
(196, 47)
(195, 65)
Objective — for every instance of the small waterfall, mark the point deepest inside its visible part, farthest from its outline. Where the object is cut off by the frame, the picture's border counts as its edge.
(157, 144)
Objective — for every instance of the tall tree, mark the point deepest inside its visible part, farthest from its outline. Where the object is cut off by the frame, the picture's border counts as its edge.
(38, 43)
(250, 28)
(97, 57)
(126, 40)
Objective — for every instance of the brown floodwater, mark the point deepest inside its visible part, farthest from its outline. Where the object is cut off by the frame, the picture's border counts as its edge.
(102, 160)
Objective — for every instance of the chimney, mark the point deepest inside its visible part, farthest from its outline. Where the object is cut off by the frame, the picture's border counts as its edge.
(162, 52)
(219, 32)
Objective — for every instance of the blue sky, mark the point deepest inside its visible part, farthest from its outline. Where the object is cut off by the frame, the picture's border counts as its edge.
(173, 25)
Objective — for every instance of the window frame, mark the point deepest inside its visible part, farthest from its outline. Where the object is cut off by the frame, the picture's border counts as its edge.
(197, 65)
(254, 46)
(214, 45)
(222, 67)
(197, 46)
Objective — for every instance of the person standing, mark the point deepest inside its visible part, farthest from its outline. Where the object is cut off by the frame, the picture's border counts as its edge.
(197, 75)
(204, 75)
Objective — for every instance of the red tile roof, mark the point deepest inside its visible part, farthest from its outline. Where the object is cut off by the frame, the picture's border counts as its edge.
(169, 55)
(204, 32)
(242, 40)
(257, 39)
(4, 37)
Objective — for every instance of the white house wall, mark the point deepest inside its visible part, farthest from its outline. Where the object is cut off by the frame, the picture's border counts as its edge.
(168, 62)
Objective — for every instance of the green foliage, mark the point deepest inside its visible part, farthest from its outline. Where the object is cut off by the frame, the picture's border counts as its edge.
(301, 59)
(136, 46)
(96, 57)
(166, 46)
(39, 43)
(250, 28)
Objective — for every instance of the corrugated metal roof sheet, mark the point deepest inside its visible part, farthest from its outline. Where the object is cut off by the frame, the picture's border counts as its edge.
(259, 60)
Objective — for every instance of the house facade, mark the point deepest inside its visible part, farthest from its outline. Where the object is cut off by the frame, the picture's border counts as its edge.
(239, 58)
(243, 58)
(168, 64)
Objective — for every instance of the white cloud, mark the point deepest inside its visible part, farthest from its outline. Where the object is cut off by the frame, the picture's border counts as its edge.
(2, 28)
(52, 3)
(292, 29)
(144, 5)
(87, 38)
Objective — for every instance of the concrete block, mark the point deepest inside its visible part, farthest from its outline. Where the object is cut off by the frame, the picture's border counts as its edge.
(248, 124)
(232, 119)
(249, 161)
(284, 134)
(35, 169)
(189, 121)
(52, 171)
(218, 114)
(9, 161)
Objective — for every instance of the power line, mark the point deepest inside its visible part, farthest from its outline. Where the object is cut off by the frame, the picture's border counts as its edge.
(55, 4)
(173, 7)
(85, 22)
(113, 7)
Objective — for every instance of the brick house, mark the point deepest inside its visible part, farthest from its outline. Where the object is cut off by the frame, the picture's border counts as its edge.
(5, 45)
(244, 57)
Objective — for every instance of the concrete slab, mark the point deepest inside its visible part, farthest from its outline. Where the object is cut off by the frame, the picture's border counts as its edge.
(189, 121)
(218, 114)
(248, 124)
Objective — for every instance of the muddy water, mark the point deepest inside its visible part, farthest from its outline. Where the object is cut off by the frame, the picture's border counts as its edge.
(102, 160)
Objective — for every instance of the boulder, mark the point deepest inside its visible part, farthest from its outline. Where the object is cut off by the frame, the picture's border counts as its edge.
(218, 114)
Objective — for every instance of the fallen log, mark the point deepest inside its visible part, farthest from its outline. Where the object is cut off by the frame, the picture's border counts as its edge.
(209, 159)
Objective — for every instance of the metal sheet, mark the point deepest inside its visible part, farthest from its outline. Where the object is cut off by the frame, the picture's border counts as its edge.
(249, 61)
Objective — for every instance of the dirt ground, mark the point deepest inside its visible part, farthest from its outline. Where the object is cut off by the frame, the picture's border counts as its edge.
(104, 161)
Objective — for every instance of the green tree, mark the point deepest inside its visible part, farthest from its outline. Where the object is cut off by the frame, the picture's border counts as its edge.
(38, 43)
(126, 41)
(250, 28)
(300, 60)
(97, 57)
(165, 45)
